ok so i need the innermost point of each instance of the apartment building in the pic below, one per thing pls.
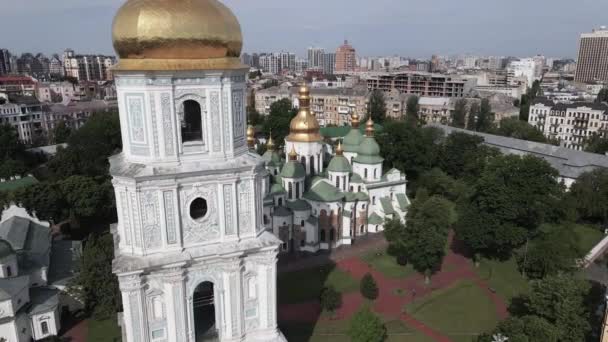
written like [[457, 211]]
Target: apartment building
[[593, 56], [569, 123], [421, 84], [88, 67], [346, 58], [331, 106], [17, 85]]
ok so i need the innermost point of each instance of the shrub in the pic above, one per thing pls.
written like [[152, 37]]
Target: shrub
[[369, 289], [331, 299]]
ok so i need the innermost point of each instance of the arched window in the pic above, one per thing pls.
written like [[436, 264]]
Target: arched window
[[298, 190], [365, 173], [312, 165], [276, 172], [192, 127], [290, 186], [375, 173], [265, 219], [9, 272], [337, 182], [302, 243], [322, 236], [332, 235], [362, 228], [302, 223], [280, 201], [303, 160]]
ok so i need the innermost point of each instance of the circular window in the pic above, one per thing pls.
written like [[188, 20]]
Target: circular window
[[198, 209]]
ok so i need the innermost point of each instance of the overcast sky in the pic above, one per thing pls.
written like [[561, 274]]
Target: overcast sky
[[416, 28]]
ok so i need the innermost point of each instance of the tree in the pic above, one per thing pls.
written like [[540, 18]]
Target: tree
[[277, 122], [43, 200], [84, 196], [602, 96], [485, 118], [408, 148], [365, 326], [527, 99], [368, 287], [515, 128], [463, 156], [473, 114], [560, 300], [10, 145], [589, 195], [331, 299], [511, 198], [555, 250], [437, 182], [524, 329], [376, 108], [96, 283], [596, 144], [61, 132], [12, 167], [412, 110], [254, 117], [459, 113]]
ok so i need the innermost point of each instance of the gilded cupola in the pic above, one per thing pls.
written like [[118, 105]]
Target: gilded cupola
[[176, 35], [304, 126]]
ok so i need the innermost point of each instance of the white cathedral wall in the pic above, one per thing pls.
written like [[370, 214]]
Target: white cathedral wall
[[52, 320], [374, 171], [307, 149], [150, 107]]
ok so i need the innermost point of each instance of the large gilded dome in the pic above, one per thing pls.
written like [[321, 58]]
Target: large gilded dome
[[304, 127], [176, 30]]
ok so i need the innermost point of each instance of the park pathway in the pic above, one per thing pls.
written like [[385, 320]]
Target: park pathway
[[389, 303]]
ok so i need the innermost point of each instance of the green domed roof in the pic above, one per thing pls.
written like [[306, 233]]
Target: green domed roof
[[339, 164], [5, 249], [272, 158], [293, 169], [369, 152], [352, 140]]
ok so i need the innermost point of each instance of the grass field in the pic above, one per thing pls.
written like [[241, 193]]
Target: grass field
[[588, 236], [337, 331], [503, 277], [459, 312], [387, 265], [103, 331], [306, 285]]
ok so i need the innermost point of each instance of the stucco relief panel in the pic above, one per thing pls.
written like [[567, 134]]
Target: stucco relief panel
[[206, 228]]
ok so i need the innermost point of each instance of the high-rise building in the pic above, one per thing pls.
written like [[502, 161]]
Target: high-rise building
[[5, 62], [193, 256], [270, 63], [87, 67], [288, 61], [315, 57], [593, 56], [329, 63], [346, 58], [246, 59], [301, 66]]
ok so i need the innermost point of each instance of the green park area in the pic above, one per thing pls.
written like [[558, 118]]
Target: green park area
[[306, 285], [386, 264], [103, 331]]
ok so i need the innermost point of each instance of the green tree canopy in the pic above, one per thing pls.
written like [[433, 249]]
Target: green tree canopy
[[412, 110], [596, 144], [602, 96], [485, 118], [365, 326], [515, 128], [437, 182], [376, 108], [44, 201], [61, 133], [368, 287], [459, 114], [463, 156], [589, 195], [472, 118], [277, 122], [512, 197], [524, 329], [331, 300], [10, 145]]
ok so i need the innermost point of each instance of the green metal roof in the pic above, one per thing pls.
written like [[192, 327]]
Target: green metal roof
[[355, 178], [324, 192], [342, 131], [355, 196], [387, 205], [276, 189], [17, 183], [281, 212], [369, 147], [293, 169], [403, 202], [298, 205], [272, 158], [370, 160], [352, 140], [375, 219], [339, 164]]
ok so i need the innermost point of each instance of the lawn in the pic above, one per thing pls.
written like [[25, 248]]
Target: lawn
[[306, 285], [103, 331], [337, 331], [17, 183], [503, 277], [387, 265], [459, 311], [588, 236]]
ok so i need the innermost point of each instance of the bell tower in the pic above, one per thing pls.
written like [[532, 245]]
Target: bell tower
[[192, 257]]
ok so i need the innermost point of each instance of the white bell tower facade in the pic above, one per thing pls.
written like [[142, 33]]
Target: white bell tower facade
[[193, 260]]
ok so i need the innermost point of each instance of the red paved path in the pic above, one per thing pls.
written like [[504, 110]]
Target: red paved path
[[78, 333], [454, 268]]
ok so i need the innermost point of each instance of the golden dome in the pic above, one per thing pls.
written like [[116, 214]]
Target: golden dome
[[176, 35], [369, 128], [293, 156], [270, 144], [339, 149], [354, 118], [304, 126], [250, 136]]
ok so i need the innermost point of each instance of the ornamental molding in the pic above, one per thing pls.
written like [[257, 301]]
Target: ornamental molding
[[207, 228]]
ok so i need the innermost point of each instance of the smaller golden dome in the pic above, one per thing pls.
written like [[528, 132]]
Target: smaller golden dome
[[250, 136], [304, 127], [293, 156], [270, 144], [369, 128], [339, 149], [354, 118]]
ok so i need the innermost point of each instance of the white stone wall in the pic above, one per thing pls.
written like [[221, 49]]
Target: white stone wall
[[6, 263], [306, 151], [52, 320], [368, 172]]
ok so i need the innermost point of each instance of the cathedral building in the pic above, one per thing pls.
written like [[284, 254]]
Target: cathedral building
[[317, 198], [193, 256]]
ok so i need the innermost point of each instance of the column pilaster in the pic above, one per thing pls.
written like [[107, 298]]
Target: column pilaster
[[131, 288], [175, 297]]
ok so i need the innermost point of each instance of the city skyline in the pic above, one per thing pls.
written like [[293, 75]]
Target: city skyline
[[545, 28]]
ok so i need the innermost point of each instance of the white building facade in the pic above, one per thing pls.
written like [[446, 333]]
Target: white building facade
[[193, 258]]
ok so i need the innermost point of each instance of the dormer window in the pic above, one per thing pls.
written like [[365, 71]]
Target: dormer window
[[192, 126]]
